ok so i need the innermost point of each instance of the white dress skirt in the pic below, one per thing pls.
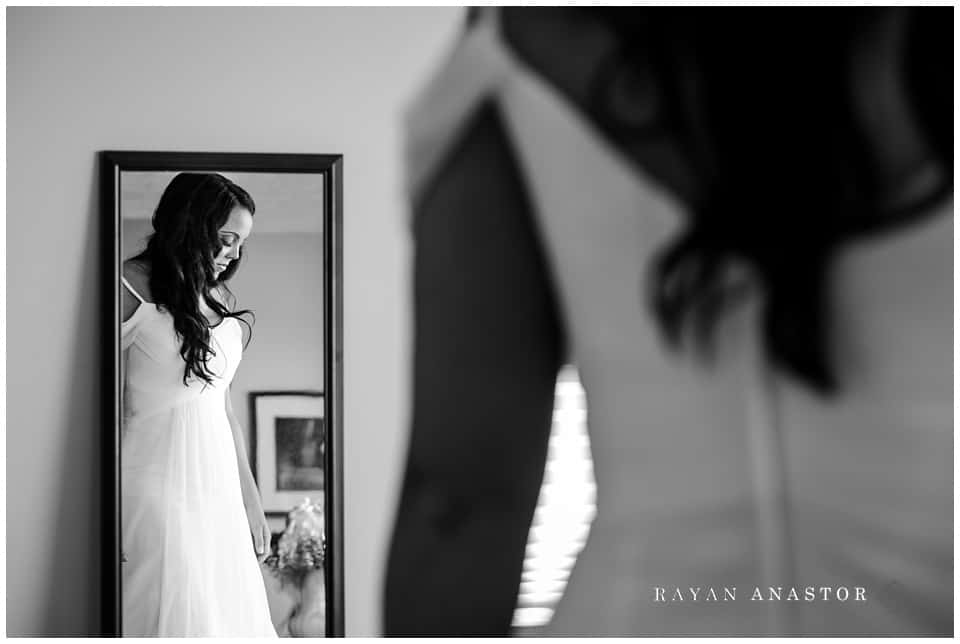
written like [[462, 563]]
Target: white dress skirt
[[189, 566]]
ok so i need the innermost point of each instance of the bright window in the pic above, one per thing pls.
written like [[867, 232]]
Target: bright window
[[565, 508]]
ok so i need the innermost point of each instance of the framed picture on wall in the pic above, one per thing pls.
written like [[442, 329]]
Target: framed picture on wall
[[288, 437]]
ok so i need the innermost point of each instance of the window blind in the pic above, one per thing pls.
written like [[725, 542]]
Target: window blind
[[565, 508]]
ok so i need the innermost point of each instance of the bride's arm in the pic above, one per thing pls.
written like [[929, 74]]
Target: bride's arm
[[128, 306], [259, 529], [488, 343]]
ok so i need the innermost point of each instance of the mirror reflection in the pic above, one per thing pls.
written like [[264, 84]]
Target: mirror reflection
[[224, 433]]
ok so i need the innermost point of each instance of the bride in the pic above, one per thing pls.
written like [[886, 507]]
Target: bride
[[192, 522]]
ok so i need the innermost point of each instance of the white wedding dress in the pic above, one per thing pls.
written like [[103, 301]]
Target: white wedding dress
[[730, 475], [189, 566]]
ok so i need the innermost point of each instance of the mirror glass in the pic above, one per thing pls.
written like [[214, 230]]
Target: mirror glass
[[206, 463]]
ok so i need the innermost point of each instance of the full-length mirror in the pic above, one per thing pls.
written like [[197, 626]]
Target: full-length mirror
[[226, 504]]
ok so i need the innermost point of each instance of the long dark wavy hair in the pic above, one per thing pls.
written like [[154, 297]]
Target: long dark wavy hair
[[757, 105], [180, 256]]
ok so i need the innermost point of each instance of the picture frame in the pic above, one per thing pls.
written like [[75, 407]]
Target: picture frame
[[287, 443]]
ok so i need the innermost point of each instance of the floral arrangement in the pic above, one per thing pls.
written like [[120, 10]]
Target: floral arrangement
[[302, 546]]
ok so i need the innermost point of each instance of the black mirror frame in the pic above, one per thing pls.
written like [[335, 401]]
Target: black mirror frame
[[330, 166]]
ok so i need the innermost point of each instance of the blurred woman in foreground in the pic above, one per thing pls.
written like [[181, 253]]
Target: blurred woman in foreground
[[737, 223]]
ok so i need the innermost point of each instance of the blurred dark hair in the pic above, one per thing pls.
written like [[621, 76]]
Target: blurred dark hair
[[756, 105], [180, 255]]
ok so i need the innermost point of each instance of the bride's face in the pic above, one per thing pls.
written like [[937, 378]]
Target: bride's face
[[233, 234]]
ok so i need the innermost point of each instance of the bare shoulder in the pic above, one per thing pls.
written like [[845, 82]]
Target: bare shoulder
[[138, 276]]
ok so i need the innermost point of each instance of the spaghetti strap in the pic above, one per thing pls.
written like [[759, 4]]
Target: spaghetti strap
[[131, 289]]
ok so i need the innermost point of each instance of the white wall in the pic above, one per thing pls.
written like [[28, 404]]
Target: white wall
[[213, 79], [278, 281]]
